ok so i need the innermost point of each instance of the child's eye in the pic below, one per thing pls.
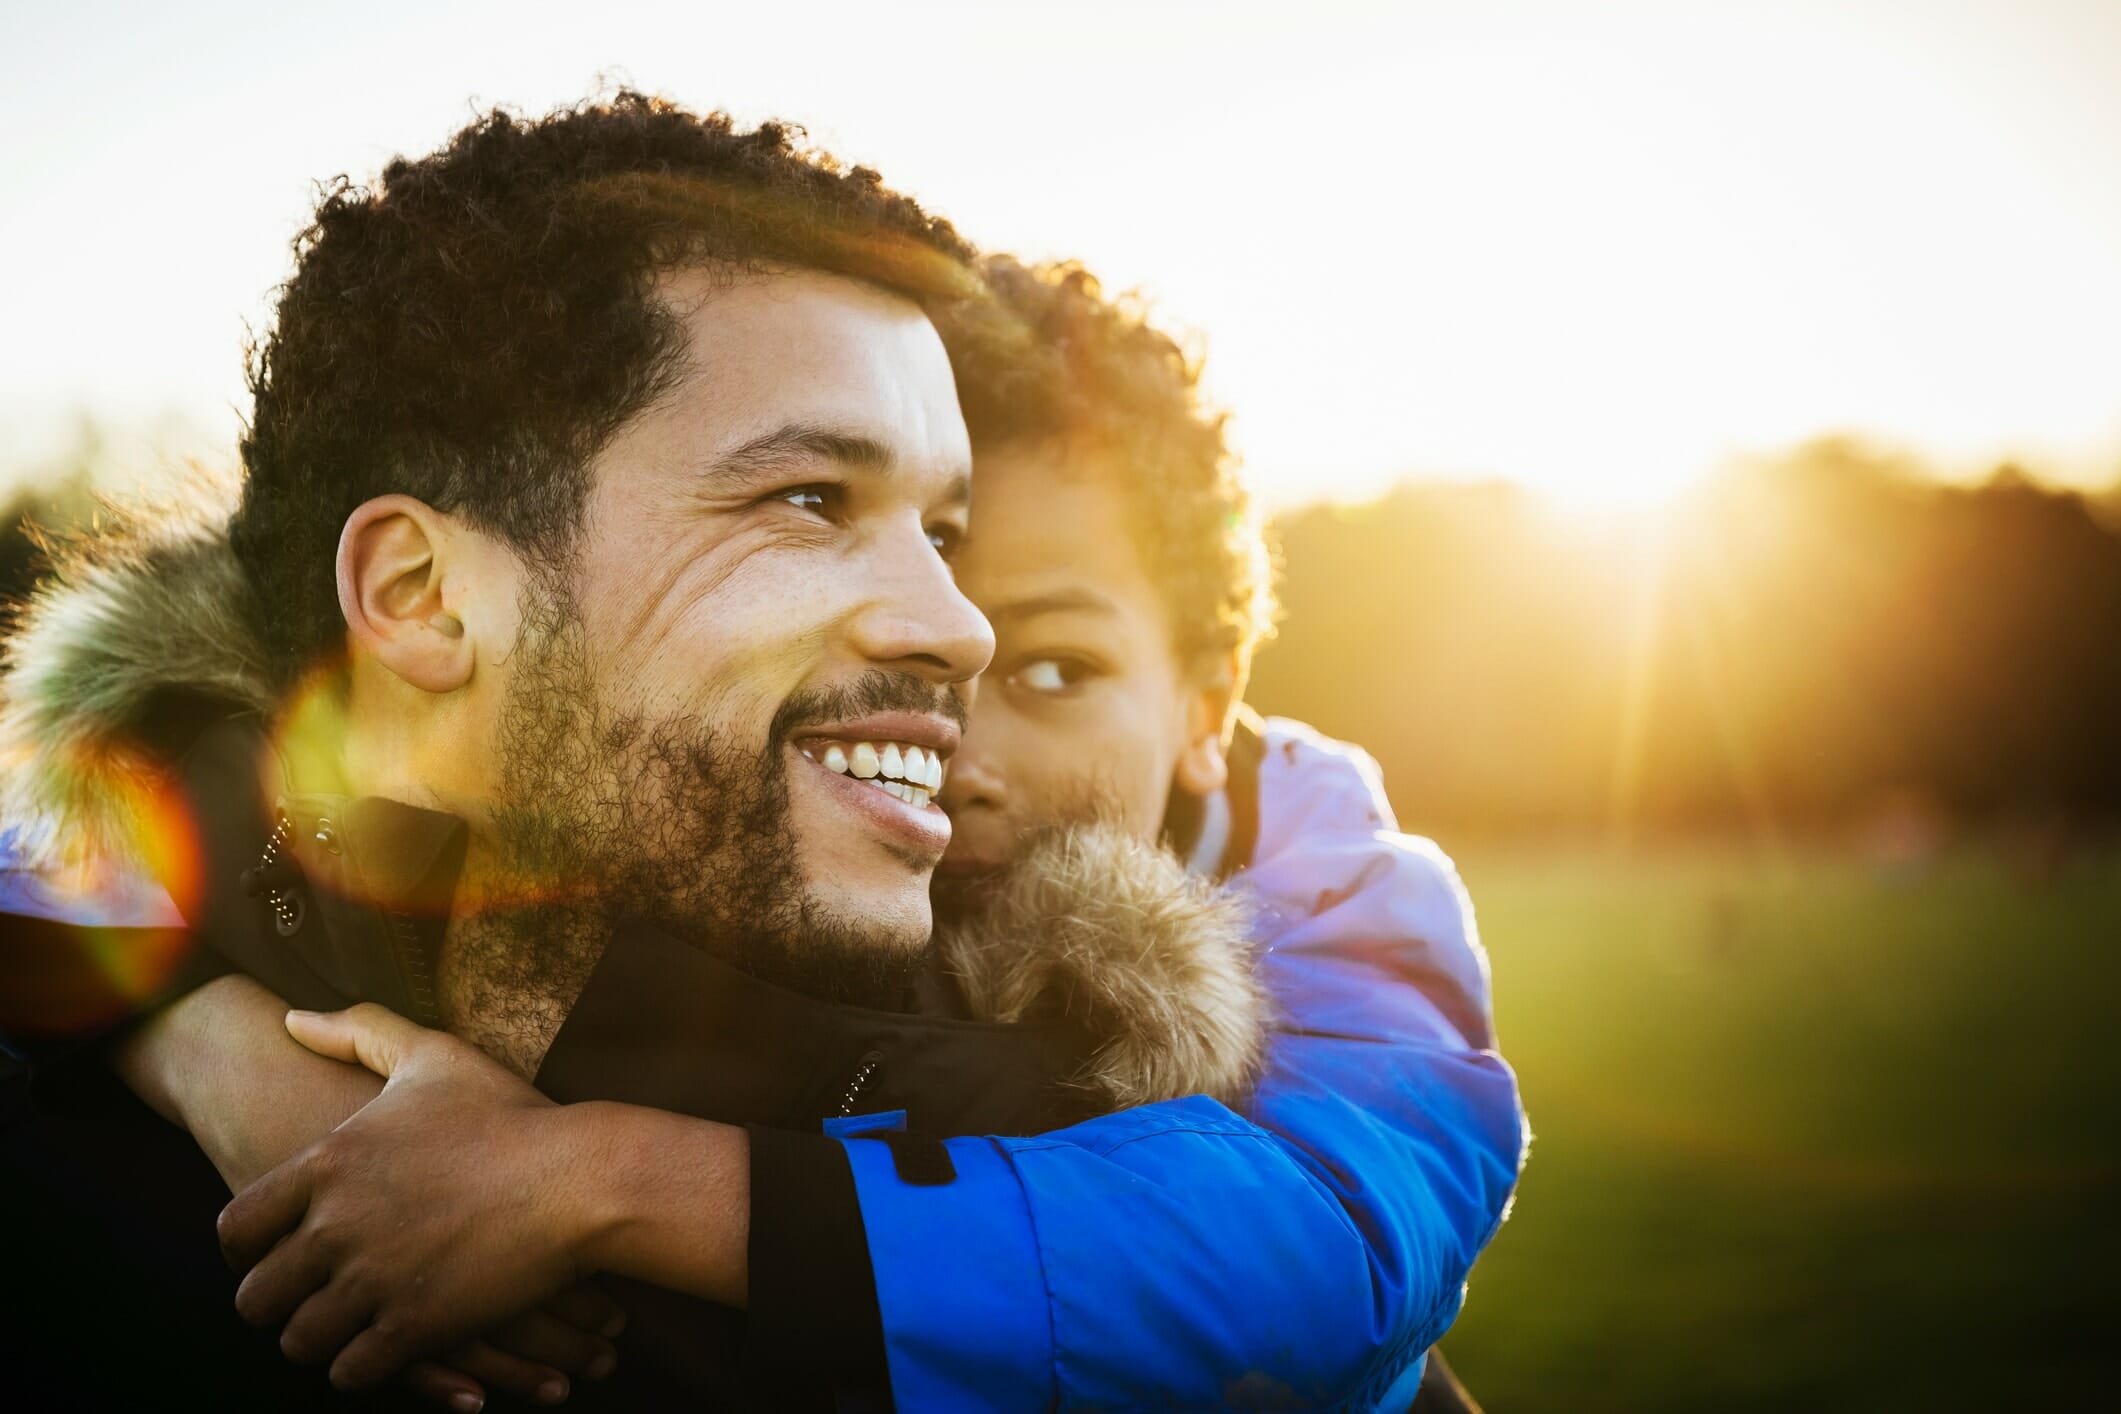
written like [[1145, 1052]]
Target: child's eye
[[1051, 675], [945, 539]]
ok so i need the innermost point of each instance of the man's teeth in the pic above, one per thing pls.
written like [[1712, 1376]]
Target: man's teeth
[[898, 769]]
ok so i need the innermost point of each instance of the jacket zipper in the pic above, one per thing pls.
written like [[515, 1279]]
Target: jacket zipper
[[412, 966], [274, 878], [863, 1074]]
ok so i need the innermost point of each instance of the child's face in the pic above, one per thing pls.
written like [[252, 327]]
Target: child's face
[[1086, 708]]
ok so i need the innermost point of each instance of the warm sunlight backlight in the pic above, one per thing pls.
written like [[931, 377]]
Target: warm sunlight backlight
[[1595, 249]]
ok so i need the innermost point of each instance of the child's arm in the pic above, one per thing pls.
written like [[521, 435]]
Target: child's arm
[[219, 1064]]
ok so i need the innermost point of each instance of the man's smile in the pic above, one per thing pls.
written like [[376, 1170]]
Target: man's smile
[[901, 769], [887, 766]]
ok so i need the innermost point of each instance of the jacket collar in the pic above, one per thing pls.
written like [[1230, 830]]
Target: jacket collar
[[663, 1023]]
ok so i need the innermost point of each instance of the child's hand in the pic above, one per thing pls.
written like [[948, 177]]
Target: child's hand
[[533, 1357], [448, 1207]]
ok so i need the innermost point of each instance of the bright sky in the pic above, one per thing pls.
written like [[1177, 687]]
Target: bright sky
[[1591, 247]]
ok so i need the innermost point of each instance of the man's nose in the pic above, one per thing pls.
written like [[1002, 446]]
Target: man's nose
[[918, 621]]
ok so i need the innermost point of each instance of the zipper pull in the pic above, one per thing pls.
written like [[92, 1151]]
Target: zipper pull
[[863, 1074]]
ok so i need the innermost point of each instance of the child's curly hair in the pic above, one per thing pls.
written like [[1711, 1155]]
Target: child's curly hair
[[1088, 372]]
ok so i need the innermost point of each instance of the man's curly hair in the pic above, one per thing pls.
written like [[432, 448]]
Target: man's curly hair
[[472, 330], [1085, 373]]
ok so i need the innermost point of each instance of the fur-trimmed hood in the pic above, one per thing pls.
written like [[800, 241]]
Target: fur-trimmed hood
[[151, 608], [146, 606]]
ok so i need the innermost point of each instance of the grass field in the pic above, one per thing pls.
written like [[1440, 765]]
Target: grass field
[[1809, 1135]]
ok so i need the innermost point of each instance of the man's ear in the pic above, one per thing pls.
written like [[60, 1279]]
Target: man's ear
[[393, 570], [1203, 766]]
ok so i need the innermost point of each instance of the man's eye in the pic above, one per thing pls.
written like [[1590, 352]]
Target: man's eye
[[819, 500], [1051, 675]]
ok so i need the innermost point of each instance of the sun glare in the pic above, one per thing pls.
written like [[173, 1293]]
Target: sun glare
[[1593, 253]]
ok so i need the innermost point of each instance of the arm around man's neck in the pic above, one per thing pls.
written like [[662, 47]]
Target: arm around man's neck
[[218, 1063], [671, 1200]]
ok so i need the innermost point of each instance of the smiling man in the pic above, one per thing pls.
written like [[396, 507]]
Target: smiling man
[[756, 590]]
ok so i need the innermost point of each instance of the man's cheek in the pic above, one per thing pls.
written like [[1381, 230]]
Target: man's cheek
[[742, 610], [734, 679], [760, 656]]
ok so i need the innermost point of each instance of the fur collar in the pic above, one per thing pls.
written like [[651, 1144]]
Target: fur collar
[[151, 606], [1112, 933]]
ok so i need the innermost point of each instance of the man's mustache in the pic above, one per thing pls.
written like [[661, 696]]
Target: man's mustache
[[877, 690]]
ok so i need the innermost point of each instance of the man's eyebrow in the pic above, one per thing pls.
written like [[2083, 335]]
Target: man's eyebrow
[[1060, 601], [801, 443]]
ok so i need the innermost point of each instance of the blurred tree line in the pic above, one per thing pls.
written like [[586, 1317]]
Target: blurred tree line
[[1831, 641]]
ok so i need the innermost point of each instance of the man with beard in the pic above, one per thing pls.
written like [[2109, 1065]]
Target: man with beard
[[578, 763]]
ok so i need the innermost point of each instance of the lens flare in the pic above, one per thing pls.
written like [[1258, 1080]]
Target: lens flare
[[108, 929]]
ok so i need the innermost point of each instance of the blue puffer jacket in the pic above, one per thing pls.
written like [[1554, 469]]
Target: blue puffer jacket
[[1303, 1255]]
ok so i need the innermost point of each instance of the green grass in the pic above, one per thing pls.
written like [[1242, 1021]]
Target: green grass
[[1809, 1135]]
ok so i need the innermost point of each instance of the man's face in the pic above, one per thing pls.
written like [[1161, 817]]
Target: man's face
[[759, 601], [1087, 709]]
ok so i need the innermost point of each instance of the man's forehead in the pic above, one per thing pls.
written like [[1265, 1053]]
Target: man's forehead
[[787, 364]]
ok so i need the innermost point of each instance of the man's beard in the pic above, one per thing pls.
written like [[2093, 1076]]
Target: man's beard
[[603, 815]]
